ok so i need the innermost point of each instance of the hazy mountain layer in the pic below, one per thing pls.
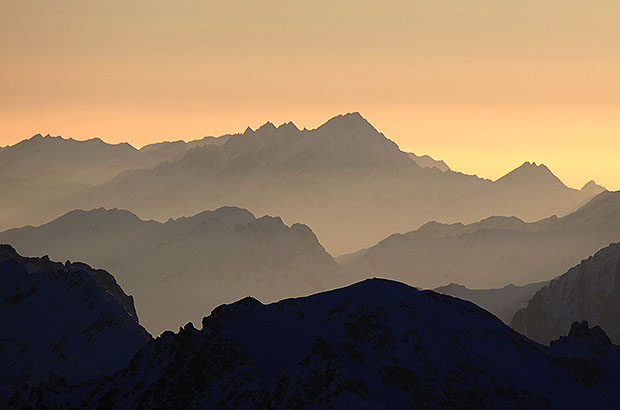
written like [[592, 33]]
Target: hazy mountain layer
[[181, 269], [494, 252], [350, 183], [503, 302], [589, 291], [374, 345], [38, 174], [426, 161], [60, 321]]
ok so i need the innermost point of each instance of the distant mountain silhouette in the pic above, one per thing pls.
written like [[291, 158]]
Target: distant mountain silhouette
[[38, 174], [373, 345], [494, 252], [61, 322], [425, 161], [530, 174], [589, 291], [503, 302], [181, 269], [346, 180]]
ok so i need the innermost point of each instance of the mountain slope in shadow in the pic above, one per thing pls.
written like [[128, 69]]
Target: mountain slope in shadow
[[61, 322], [377, 344]]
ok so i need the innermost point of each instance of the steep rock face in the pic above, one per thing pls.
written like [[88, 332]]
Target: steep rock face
[[376, 344], [181, 269], [589, 291], [494, 252], [61, 322]]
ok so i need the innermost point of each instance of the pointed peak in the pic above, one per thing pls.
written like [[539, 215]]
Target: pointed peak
[[349, 120], [531, 172], [268, 126], [592, 187], [288, 126], [248, 131]]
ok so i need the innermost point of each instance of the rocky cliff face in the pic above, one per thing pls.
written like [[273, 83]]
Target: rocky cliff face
[[589, 291]]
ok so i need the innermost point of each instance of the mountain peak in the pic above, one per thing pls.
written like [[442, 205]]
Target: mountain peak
[[353, 120], [591, 187], [268, 126], [582, 330], [288, 126], [529, 173]]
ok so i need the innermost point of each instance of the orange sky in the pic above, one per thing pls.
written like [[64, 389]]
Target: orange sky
[[482, 84]]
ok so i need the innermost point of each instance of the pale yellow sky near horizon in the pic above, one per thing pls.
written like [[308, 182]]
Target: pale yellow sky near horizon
[[484, 85]]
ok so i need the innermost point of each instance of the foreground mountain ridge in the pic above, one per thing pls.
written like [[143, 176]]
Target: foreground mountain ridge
[[61, 322], [376, 344]]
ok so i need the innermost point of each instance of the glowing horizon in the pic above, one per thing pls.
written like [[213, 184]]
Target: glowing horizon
[[481, 85]]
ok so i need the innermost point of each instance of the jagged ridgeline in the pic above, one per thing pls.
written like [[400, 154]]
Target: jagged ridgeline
[[345, 179], [376, 344]]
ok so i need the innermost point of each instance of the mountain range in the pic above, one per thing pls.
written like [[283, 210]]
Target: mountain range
[[376, 344], [181, 269], [494, 252], [345, 179]]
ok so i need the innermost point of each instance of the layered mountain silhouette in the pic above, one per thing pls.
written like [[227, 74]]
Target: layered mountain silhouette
[[345, 179], [426, 161], [494, 252], [376, 344], [61, 323], [44, 170], [503, 302], [589, 291], [181, 269]]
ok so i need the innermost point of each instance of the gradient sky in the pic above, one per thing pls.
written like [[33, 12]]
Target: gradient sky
[[483, 84]]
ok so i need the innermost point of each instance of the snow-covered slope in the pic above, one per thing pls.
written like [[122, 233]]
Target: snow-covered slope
[[589, 291], [60, 321], [503, 302], [373, 345], [181, 269], [494, 252]]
